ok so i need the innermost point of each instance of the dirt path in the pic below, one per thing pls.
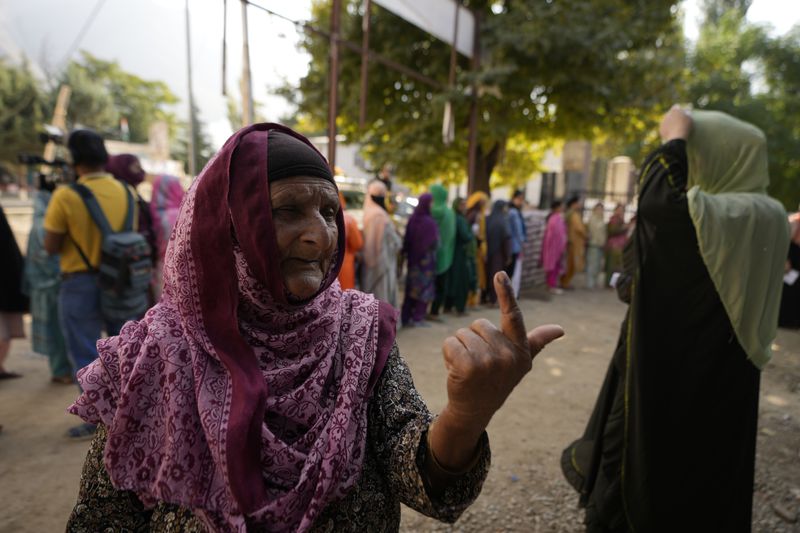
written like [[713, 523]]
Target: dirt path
[[39, 468]]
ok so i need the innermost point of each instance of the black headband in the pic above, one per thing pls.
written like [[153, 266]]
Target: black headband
[[288, 157]]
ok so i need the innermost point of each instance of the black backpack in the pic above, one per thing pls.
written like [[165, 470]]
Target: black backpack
[[125, 264]]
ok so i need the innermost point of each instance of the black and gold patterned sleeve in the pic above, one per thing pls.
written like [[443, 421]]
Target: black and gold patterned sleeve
[[398, 426], [662, 189], [100, 506]]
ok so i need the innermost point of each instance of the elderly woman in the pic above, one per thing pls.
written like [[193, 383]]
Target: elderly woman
[[671, 443], [381, 248], [258, 396]]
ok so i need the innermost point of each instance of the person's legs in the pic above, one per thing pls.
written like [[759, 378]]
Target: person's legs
[[81, 320], [441, 283], [418, 311], [82, 325], [566, 279], [460, 302], [10, 328], [593, 257], [516, 277], [409, 304], [61, 369], [5, 346], [511, 265], [552, 279]]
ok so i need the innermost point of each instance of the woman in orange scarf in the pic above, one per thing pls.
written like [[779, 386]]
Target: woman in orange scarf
[[353, 244]]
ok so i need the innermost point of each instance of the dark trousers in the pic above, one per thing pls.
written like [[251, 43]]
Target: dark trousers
[[81, 319], [510, 267], [441, 284]]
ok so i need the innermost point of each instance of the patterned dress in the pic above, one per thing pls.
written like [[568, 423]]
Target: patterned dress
[[393, 473]]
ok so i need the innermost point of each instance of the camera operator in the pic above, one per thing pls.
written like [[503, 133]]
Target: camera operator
[[71, 231]]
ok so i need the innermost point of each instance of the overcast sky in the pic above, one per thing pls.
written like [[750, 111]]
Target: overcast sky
[[147, 38]]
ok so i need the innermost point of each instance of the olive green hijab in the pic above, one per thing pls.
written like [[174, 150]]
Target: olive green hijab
[[446, 220], [743, 234]]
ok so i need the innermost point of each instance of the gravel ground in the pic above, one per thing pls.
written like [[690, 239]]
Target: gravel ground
[[525, 491]]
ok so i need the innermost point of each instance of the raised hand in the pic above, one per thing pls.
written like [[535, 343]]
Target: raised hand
[[484, 364], [676, 124]]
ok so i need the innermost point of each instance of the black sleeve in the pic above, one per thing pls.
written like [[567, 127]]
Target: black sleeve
[[398, 427], [662, 185]]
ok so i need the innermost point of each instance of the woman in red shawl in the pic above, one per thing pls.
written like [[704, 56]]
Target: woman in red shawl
[[354, 241], [258, 396]]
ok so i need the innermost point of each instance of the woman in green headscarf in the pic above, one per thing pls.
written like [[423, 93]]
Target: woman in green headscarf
[[461, 278], [446, 220], [670, 445]]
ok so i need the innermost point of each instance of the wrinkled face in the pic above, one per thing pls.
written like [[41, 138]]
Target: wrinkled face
[[304, 214]]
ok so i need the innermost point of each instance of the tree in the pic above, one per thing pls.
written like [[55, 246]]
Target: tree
[[714, 10], [103, 93], [203, 149], [738, 68], [549, 70], [21, 112], [235, 113]]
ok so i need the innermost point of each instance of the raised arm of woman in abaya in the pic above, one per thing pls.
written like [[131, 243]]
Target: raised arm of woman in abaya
[[484, 364], [665, 174]]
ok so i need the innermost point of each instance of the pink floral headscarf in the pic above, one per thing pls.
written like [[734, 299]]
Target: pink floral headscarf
[[226, 399], [165, 204]]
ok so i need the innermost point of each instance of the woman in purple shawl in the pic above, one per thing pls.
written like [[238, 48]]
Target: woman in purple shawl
[[419, 248], [554, 244], [128, 169], [258, 396]]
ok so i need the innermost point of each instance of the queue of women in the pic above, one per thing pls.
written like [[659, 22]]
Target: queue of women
[[259, 395]]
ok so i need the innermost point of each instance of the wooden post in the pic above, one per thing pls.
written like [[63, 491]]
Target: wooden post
[[333, 80], [362, 109], [59, 119], [247, 85], [472, 164]]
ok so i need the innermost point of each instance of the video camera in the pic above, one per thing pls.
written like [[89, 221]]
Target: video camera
[[60, 170]]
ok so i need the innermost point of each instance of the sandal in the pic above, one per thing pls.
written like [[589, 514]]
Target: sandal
[[82, 432], [62, 380], [9, 375]]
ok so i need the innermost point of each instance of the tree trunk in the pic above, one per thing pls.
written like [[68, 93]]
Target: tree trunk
[[485, 166]]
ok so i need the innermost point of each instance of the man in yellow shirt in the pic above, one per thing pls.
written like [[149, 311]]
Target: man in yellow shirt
[[71, 232]]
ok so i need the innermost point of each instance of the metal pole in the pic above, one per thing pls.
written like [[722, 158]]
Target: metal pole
[[354, 47], [448, 121], [224, 47], [472, 165], [333, 76], [451, 79], [247, 86], [362, 111], [192, 156]]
